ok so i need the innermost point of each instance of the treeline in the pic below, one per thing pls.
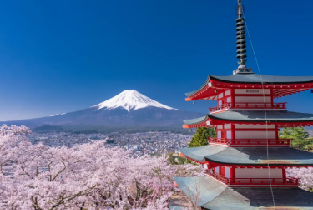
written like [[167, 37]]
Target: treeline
[[79, 129], [300, 138], [47, 129]]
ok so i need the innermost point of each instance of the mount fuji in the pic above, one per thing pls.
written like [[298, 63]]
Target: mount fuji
[[130, 100], [129, 108]]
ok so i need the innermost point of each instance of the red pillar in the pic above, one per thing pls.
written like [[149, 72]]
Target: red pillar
[[276, 132], [222, 170], [232, 97], [232, 173], [232, 126], [284, 174], [272, 97]]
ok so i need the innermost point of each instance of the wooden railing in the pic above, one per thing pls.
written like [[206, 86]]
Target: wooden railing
[[221, 107], [265, 181], [250, 142], [288, 181], [250, 105], [218, 177]]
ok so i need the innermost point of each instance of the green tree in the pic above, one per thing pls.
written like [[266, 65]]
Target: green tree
[[299, 137], [201, 137], [177, 160]]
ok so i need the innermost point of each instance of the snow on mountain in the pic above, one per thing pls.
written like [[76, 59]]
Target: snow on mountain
[[130, 100], [57, 114]]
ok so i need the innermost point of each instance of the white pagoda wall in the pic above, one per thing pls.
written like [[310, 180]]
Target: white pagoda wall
[[247, 131], [227, 172], [255, 134], [255, 126], [253, 99], [253, 96], [258, 173], [252, 91], [243, 96]]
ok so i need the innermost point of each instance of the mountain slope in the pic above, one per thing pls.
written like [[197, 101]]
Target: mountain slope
[[129, 108]]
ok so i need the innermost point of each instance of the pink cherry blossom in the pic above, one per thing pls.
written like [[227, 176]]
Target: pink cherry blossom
[[90, 175], [305, 175]]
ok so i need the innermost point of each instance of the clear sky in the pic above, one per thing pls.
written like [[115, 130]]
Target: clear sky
[[60, 56]]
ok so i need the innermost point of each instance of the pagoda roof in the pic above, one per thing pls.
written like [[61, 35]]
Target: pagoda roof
[[270, 116], [217, 196], [250, 156], [256, 79]]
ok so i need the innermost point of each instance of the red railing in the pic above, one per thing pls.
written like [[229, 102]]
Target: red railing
[[250, 105], [220, 107], [255, 105], [255, 181], [250, 142], [218, 177], [265, 181]]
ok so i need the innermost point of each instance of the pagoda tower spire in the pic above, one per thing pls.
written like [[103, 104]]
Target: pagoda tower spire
[[241, 40]]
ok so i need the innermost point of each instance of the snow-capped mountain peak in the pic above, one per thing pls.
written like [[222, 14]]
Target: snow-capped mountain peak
[[131, 100]]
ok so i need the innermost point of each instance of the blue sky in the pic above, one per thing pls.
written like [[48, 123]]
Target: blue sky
[[60, 56]]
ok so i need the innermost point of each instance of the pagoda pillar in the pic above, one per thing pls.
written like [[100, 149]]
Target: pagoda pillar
[[232, 98], [232, 174], [276, 133], [272, 97], [232, 126], [284, 174]]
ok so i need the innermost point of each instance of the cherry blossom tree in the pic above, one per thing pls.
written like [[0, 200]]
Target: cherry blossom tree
[[88, 176], [305, 175]]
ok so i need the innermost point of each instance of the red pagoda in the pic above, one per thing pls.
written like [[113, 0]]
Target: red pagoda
[[246, 163]]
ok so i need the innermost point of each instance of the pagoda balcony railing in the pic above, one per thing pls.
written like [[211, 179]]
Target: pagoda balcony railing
[[250, 142], [250, 105], [288, 181], [264, 181], [218, 177]]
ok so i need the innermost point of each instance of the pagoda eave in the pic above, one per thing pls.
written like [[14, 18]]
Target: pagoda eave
[[264, 163], [252, 117], [213, 87], [270, 164], [249, 156], [212, 123], [217, 196]]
